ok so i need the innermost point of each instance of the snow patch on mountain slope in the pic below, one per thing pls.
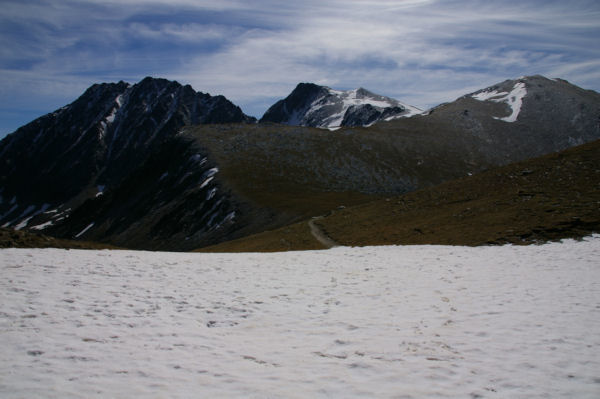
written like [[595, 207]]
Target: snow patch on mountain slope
[[211, 193], [343, 100], [42, 226], [118, 104], [489, 95], [208, 176], [406, 321], [111, 117], [82, 232], [57, 217], [206, 181], [23, 223], [100, 188], [514, 99]]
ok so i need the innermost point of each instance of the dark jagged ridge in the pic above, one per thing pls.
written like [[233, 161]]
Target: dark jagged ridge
[[97, 143]]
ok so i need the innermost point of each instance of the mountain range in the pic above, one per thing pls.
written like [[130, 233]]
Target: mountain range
[[157, 165]]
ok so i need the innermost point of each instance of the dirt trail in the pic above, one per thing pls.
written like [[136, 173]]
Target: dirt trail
[[320, 235]]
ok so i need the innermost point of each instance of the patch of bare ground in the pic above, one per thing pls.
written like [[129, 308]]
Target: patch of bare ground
[[319, 234]]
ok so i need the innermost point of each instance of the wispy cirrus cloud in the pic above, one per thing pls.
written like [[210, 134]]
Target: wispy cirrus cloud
[[422, 52]]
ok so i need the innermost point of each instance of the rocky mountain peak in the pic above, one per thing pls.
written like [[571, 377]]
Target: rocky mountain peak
[[320, 106], [93, 144]]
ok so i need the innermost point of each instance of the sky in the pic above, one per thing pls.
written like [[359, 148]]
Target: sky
[[421, 52]]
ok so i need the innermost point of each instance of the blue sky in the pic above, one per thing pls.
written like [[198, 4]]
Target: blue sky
[[422, 52]]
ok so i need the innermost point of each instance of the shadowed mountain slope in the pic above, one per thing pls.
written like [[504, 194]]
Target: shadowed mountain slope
[[51, 166]]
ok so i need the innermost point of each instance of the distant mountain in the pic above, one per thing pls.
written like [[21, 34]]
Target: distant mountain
[[483, 129], [320, 106], [522, 118], [50, 166], [307, 172], [158, 166]]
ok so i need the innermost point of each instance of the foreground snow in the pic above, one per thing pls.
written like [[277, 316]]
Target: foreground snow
[[415, 321]]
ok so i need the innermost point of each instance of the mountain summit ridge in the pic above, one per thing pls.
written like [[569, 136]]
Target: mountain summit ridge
[[321, 106]]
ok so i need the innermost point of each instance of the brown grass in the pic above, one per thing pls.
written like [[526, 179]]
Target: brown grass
[[10, 238], [549, 198], [295, 237]]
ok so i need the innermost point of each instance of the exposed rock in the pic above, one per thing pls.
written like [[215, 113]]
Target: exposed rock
[[320, 106]]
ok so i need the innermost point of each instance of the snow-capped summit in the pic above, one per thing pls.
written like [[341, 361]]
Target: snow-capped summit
[[545, 104], [320, 106]]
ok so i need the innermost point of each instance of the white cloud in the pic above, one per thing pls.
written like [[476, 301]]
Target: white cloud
[[422, 52], [189, 32], [220, 5], [432, 51]]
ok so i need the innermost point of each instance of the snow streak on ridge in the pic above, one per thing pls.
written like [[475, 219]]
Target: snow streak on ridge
[[514, 99]]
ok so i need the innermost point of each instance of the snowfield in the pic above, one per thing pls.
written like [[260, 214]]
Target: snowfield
[[514, 99], [385, 322]]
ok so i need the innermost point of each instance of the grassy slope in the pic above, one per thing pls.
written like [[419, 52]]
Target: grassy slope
[[285, 174], [552, 197], [295, 237], [10, 238]]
